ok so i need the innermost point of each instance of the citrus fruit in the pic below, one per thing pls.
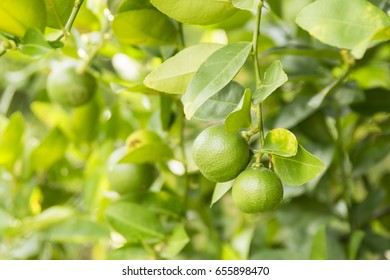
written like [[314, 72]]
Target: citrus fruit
[[257, 190], [220, 156], [68, 87], [128, 177]]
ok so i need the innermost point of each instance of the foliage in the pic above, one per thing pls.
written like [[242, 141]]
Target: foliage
[[305, 82]]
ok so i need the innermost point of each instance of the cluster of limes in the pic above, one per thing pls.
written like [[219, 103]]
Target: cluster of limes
[[223, 156]]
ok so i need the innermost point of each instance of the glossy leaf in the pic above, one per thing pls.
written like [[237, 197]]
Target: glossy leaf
[[280, 142], [328, 21], [176, 242], [220, 190], [77, 231], [274, 77], [241, 116], [214, 74], [51, 149], [299, 169], [17, 16], [133, 221], [174, 75], [146, 146], [222, 103], [134, 27], [11, 139], [202, 12], [58, 12]]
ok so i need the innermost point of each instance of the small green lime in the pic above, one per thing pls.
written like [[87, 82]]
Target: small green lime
[[257, 190], [68, 87], [128, 177], [220, 156]]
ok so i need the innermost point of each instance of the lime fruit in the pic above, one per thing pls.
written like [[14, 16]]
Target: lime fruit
[[220, 156], [128, 177], [257, 190], [68, 87]]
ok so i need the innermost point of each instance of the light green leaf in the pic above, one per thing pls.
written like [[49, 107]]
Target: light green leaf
[[176, 242], [58, 12], [241, 117], [202, 12], [133, 221], [215, 73], [319, 245], [51, 149], [11, 139], [130, 252], [274, 77], [354, 244], [146, 146], [343, 23], [220, 190], [174, 75], [77, 231], [34, 43], [222, 103], [17, 16], [299, 169], [280, 142], [134, 27], [249, 5]]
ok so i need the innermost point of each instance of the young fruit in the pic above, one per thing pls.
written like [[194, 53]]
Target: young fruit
[[68, 87], [128, 177], [220, 156], [257, 190]]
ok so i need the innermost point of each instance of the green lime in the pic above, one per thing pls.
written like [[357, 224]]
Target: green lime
[[220, 156], [68, 87], [257, 190], [128, 177]]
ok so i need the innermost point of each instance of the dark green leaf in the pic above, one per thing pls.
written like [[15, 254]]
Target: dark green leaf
[[215, 73]]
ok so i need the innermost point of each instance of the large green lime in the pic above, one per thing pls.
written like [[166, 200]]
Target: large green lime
[[220, 156]]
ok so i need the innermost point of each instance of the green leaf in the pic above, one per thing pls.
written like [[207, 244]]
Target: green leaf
[[17, 16], [11, 139], [280, 142], [299, 169], [222, 103], [201, 12], [176, 242], [51, 149], [215, 73], [133, 221], [241, 116], [34, 43], [130, 252], [134, 27], [174, 75], [58, 12], [249, 5], [146, 146], [354, 244], [328, 21], [375, 100], [220, 190], [319, 245], [274, 77], [77, 231]]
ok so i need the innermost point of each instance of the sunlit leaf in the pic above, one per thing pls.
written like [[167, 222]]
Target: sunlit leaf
[[274, 77], [34, 43], [174, 75], [200, 12], [58, 12], [220, 190], [249, 5], [299, 169], [176, 242], [215, 73], [241, 116], [280, 142], [11, 139], [134, 27]]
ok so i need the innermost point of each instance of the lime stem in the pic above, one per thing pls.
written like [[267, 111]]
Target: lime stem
[[71, 19], [255, 42]]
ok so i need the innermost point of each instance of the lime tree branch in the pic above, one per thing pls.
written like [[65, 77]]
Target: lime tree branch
[[71, 19], [256, 35]]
